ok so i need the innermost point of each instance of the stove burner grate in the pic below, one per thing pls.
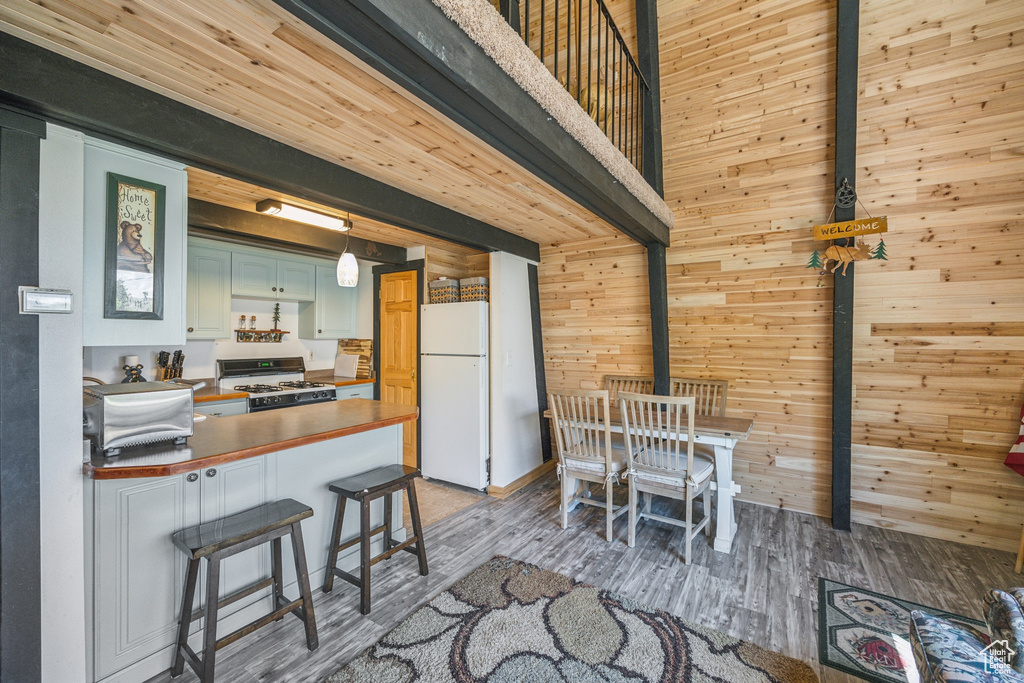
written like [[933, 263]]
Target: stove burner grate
[[258, 388], [301, 384]]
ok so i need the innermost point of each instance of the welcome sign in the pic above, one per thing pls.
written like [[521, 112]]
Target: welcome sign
[[863, 226]]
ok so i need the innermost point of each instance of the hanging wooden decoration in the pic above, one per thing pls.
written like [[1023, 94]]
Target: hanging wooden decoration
[[844, 255]]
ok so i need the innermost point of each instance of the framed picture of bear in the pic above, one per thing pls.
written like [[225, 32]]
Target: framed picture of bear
[[134, 268]]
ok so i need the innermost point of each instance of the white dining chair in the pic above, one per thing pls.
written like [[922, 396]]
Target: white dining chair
[[587, 450], [638, 385], [709, 394], [664, 460]]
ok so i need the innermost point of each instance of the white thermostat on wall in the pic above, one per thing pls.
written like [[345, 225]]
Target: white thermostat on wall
[[39, 300]]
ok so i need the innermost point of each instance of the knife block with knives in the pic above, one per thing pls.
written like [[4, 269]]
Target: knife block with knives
[[169, 366]]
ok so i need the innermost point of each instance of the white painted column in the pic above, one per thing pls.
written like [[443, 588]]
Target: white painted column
[[61, 483], [515, 425]]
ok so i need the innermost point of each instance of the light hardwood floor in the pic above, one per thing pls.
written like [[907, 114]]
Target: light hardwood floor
[[765, 591]]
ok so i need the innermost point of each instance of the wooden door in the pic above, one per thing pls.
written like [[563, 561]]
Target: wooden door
[[399, 349]]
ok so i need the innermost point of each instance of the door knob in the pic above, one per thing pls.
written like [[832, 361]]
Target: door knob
[[413, 374], [212, 472], [281, 290], [319, 331], [274, 288], [191, 329], [192, 477]]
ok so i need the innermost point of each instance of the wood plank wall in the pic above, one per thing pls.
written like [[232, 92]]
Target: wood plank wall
[[595, 313], [454, 265], [747, 108], [939, 328]]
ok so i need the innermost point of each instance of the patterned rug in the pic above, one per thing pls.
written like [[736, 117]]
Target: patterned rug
[[509, 621], [867, 634]]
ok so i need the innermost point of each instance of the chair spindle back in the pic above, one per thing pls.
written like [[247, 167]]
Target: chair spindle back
[[582, 426], [654, 427], [637, 385], [709, 394]]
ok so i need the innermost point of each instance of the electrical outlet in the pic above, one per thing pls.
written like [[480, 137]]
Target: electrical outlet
[[311, 354]]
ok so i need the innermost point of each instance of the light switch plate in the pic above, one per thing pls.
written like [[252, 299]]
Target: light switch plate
[[40, 300]]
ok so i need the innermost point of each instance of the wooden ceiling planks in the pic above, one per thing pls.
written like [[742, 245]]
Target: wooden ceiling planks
[[251, 63], [238, 194]]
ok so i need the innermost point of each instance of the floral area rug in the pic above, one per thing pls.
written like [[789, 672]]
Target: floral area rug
[[867, 634], [511, 621]]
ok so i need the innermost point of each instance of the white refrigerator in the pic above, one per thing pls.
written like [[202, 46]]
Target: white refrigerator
[[455, 393]]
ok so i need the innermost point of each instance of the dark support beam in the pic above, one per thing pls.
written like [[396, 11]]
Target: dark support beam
[[20, 607], [58, 88], [421, 49], [538, 361], [657, 281], [648, 61], [847, 29], [510, 10], [215, 219]]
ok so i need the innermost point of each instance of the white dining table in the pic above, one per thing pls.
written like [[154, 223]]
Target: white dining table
[[722, 433]]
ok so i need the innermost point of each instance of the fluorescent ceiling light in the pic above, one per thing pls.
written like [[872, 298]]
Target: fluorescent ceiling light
[[296, 213]]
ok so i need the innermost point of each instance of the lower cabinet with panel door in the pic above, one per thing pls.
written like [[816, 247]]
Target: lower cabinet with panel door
[[137, 574]]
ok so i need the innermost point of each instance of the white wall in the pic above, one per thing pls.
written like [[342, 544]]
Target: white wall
[[104, 157], [515, 426], [61, 483]]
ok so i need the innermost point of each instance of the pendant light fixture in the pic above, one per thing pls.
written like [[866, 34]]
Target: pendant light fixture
[[348, 268]]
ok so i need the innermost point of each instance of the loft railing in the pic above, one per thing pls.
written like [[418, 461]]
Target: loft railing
[[580, 44]]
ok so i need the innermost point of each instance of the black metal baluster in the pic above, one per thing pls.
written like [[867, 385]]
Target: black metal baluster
[[557, 22], [606, 50], [568, 45], [579, 43], [590, 39], [543, 21]]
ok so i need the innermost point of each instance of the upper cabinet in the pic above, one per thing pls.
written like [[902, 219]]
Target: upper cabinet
[[208, 307], [333, 314], [267, 277], [296, 281], [135, 212]]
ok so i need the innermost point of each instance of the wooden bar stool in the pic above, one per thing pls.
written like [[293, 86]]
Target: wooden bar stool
[[364, 488], [223, 538]]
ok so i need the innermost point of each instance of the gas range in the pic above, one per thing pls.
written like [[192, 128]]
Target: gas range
[[272, 382]]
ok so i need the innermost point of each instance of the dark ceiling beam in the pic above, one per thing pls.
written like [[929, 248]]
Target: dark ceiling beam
[[215, 219], [418, 47], [69, 92]]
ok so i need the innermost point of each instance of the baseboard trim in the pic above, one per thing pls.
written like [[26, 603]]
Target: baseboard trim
[[533, 475]]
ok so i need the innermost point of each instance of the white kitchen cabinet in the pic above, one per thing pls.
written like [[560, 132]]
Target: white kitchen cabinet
[[296, 280], [262, 275], [208, 288], [138, 574], [234, 406], [333, 314], [355, 391], [101, 158]]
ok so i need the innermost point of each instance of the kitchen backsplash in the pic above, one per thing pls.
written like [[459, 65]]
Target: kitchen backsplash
[[104, 362]]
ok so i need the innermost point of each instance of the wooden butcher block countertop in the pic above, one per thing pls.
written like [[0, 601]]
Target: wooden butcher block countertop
[[219, 440]]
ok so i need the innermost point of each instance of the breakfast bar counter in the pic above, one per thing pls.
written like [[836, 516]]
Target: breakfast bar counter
[[220, 440], [136, 501]]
